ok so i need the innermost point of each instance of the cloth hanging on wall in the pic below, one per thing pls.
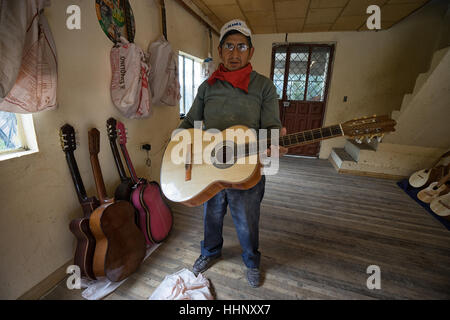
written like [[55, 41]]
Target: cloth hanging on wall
[[35, 84], [164, 81]]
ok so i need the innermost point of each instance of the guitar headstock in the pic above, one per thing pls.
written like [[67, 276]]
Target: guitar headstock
[[122, 133], [67, 137], [111, 124], [368, 127], [94, 141]]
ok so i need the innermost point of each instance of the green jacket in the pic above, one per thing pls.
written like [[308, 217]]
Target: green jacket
[[221, 106]]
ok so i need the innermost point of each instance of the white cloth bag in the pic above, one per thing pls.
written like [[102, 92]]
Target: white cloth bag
[[183, 285], [130, 90], [35, 84], [164, 82]]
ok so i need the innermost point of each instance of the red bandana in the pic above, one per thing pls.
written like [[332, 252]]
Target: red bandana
[[238, 79]]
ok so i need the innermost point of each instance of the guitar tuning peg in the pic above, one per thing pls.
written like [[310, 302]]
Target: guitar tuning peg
[[368, 139], [379, 138], [358, 140]]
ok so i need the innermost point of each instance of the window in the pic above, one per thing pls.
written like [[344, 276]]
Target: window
[[300, 71], [17, 136], [190, 73]]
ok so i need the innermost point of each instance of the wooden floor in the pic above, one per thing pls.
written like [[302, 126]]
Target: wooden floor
[[319, 231]]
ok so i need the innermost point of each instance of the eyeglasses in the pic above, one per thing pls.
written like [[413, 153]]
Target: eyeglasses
[[240, 46]]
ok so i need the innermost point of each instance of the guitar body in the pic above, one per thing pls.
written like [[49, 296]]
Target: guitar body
[[432, 191], [154, 216], [120, 246], [441, 206], [423, 178], [84, 252], [207, 178]]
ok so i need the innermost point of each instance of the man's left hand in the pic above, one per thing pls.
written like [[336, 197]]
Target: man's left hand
[[281, 150]]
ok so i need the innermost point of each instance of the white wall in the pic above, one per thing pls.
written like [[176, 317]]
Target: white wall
[[37, 196]]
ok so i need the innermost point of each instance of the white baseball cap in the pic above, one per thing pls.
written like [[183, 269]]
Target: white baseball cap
[[237, 25]]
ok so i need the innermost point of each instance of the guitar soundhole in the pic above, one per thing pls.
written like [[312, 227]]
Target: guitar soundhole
[[223, 156]]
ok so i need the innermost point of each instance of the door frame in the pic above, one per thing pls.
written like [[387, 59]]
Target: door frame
[[289, 45]]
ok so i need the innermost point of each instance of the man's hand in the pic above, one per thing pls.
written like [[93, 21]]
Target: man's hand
[[281, 150]]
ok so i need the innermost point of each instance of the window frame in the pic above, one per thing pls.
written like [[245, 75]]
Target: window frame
[[27, 136], [194, 59]]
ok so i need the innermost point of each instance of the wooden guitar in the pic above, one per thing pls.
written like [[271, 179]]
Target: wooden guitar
[[154, 215], [193, 172], [124, 189], [424, 177], [120, 246], [84, 252], [435, 189], [441, 206]]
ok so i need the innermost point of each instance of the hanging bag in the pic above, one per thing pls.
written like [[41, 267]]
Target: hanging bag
[[129, 83], [164, 82], [34, 89]]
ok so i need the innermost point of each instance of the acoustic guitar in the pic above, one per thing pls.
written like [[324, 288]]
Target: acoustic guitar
[[154, 215], [441, 206], [192, 172], [120, 246], [424, 177], [435, 189], [84, 252], [124, 189]]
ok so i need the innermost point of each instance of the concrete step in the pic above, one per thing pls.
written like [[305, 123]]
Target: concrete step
[[340, 157], [354, 149]]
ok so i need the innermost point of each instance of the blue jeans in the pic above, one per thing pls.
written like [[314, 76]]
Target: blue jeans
[[245, 210]]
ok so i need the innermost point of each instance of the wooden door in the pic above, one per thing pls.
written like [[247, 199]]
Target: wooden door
[[301, 74]]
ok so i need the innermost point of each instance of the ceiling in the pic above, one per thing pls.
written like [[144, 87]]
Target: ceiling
[[290, 16]]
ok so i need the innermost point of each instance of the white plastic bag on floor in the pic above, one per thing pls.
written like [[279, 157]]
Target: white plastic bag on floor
[[100, 288], [183, 285]]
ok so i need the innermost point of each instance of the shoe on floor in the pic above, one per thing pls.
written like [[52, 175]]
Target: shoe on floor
[[203, 263], [253, 277]]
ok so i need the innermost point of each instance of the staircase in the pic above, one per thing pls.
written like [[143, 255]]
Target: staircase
[[422, 131]]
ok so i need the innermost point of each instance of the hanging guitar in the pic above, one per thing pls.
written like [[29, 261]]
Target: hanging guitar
[[234, 163], [435, 189], [155, 217], [120, 246], [84, 252]]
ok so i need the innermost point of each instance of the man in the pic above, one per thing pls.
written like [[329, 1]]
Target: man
[[235, 95]]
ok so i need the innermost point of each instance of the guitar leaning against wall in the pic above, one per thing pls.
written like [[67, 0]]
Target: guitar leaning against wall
[[125, 188], [154, 215], [84, 252], [120, 246]]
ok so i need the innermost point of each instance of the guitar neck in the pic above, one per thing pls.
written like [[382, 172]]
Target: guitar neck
[[129, 163], [98, 177], [299, 138], [76, 177], [310, 136], [118, 161]]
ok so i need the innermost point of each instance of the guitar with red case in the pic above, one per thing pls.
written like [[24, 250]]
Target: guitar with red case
[[84, 252], [155, 217]]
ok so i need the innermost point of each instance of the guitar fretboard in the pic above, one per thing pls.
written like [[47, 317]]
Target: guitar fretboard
[[310, 136]]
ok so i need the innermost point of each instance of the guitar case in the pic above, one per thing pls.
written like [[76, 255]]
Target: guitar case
[[155, 217]]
